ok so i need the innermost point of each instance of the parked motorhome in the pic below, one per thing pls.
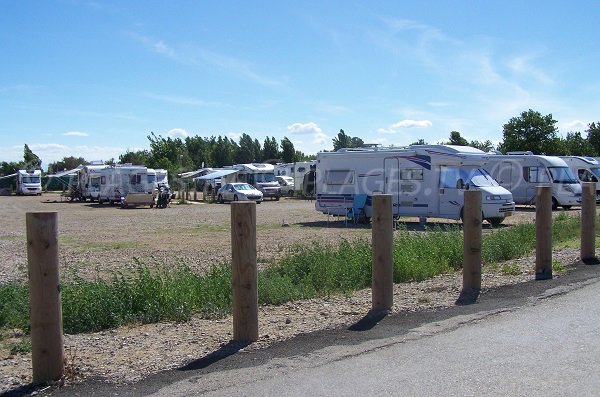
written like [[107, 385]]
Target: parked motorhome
[[286, 169], [259, 175], [301, 168], [28, 182], [587, 169], [127, 185], [424, 181], [89, 181], [523, 172]]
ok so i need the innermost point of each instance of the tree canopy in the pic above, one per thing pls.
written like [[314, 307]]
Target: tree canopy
[[531, 131], [345, 141]]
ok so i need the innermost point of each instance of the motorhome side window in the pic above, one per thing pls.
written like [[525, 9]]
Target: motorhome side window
[[340, 177], [449, 176], [586, 176], [535, 174], [135, 179], [411, 174]]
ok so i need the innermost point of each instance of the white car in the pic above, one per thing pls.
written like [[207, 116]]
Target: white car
[[287, 185], [239, 191]]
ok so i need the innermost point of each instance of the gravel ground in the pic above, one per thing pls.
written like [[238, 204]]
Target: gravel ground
[[99, 240]]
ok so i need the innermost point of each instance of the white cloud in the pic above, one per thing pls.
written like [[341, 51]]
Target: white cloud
[[75, 133], [177, 133], [304, 128], [411, 124], [235, 135], [573, 126], [320, 138]]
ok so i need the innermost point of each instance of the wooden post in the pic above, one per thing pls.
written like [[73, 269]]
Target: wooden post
[[244, 271], [383, 253], [47, 347], [543, 233], [472, 235], [588, 224], [195, 194]]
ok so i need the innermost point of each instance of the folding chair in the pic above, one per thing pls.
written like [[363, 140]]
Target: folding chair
[[358, 207]]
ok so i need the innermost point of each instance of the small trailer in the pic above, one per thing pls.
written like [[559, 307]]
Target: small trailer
[[424, 181], [126, 185]]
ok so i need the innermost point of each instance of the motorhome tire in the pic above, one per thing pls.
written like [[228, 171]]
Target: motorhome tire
[[291, 193], [220, 199], [495, 222], [235, 198], [276, 198], [554, 204], [567, 207]]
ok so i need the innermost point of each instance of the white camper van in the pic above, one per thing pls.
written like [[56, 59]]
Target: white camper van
[[523, 172], [259, 175], [29, 182], [127, 185], [424, 181], [587, 169], [286, 169], [89, 181]]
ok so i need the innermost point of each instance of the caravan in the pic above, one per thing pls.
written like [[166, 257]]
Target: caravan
[[127, 185], [259, 175], [587, 169], [523, 172], [301, 169], [424, 181], [89, 181]]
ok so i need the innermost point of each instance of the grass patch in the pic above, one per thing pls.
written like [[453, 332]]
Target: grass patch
[[166, 292], [22, 346], [112, 245]]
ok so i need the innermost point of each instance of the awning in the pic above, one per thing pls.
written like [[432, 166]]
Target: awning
[[72, 172], [216, 174], [8, 176]]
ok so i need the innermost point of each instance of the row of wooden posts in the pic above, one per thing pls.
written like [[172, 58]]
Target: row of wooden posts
[[44, 284]]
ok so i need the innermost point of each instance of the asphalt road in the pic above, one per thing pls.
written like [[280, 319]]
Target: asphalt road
[[535, 339]]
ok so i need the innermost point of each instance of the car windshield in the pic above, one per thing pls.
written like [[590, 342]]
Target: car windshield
[[596, 171], [31, 179], [562, 175], [243, 186]]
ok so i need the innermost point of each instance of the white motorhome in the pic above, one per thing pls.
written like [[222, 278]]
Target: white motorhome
[[286, 169], [29, 182], [89, 181], [301, 168], [424, 181], [126, 184], [587, 169], [259, 175], [523, 172]]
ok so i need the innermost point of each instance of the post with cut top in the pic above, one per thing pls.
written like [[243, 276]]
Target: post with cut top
[[588, 224], [543, 233], [383, 253], [472, 235], [244, 271], [45, 312]]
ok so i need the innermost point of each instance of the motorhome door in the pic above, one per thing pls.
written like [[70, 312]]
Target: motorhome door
[[451, 192]]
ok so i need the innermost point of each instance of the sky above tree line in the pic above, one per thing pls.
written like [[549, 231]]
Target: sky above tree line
[[95, 78]]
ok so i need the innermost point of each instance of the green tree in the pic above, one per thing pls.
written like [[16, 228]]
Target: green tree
[[575, 145], [245, 152], [222, 152], [198, 150], [31, 159], [530, 131], [456, 139], [342, 140], [420, 142], [67, 163], [140, 157], [486, 146], [593, 137], [270, 149], [288, 153]]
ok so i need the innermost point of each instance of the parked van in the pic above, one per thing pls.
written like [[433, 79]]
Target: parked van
[[29, 182], [523, 172], [286, 169], [587, 169], [259, 175], [424, 181], [127, 185]]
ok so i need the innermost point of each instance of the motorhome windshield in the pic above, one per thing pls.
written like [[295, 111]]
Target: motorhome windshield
[[562, 175], [31, 179], [262, 178], [481, 178], [151, 178]]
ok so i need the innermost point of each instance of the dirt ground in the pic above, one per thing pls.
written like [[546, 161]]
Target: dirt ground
[[99, 240]]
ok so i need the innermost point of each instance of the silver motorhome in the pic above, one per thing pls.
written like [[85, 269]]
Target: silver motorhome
[[587, 169], [424, 181], [523, 172]]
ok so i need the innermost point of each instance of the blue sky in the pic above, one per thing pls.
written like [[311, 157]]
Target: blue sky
[[94, 78]]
